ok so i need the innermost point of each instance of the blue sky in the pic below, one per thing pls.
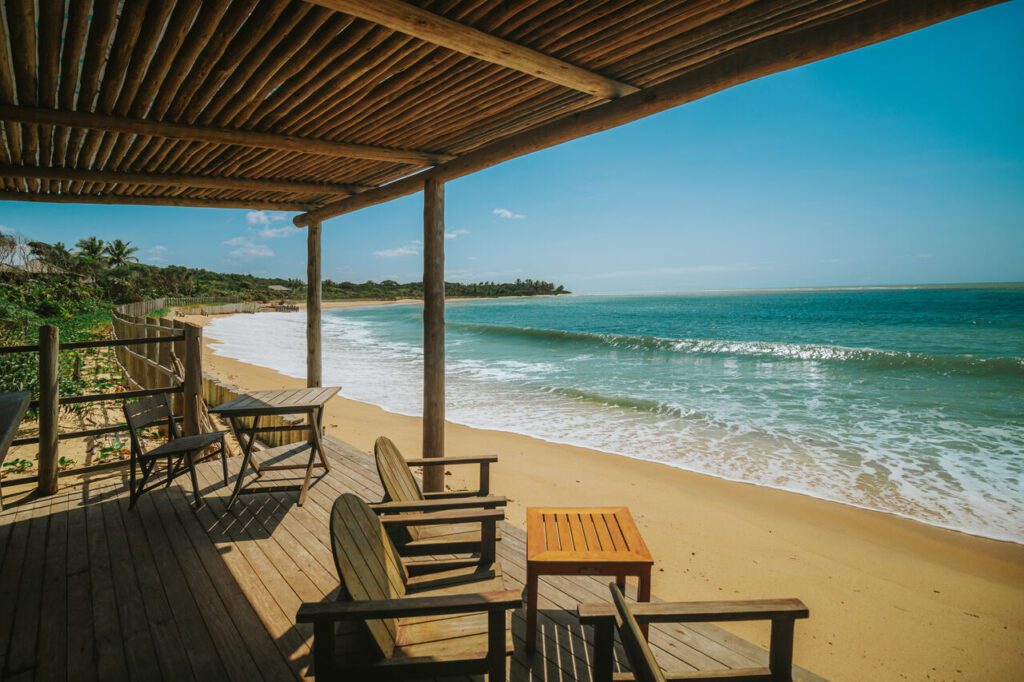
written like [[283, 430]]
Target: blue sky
[[899, 163]]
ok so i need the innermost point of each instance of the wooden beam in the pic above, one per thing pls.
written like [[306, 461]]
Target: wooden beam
[[242, 138], [314, 365], [880, 21], [114, 199], [433, 332], [177, 181], [420, 23]]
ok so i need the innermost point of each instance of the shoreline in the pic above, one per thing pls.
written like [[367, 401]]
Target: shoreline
[[889, 596]]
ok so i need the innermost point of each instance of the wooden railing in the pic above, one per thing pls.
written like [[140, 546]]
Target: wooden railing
[[156, 356], [187, 388]]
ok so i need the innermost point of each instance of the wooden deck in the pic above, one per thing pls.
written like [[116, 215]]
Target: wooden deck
[[92, 591]]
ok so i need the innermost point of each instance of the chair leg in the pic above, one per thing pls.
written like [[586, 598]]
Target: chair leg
[[496, 659], [132, 496], [224, 458], [195, 479]]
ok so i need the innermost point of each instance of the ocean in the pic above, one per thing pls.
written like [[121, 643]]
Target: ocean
[[907, 400]]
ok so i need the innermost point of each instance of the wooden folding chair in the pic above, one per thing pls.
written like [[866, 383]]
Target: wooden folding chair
[[181, 452]]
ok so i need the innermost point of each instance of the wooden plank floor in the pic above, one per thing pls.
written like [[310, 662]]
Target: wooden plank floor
[[92, 591]]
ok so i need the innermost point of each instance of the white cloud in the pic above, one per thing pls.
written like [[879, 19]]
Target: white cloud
[[264, 217], [275, 232], [156, 254], [7, 230], [507, 214], [410, 249], [247, 248], [455, 234]]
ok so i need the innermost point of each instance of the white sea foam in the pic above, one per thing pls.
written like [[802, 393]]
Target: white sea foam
[[969, 486]]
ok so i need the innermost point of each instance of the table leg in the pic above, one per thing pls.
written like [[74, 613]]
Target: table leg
[[319, 437], [620, 582], [531, 609], [246, 454], [313, 442], [643, 593]]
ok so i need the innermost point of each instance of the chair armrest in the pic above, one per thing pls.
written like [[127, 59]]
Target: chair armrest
[[439, 505], [410, 606], [439, 461], [699, 611], [444, 517]]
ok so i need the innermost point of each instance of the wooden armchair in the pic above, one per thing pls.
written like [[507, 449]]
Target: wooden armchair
[[390, 622], [403, 494], [604, 617], [182, 452]]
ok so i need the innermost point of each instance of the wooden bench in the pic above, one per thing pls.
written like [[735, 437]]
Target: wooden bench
[[604, 617], [393, 621], [403, 494]]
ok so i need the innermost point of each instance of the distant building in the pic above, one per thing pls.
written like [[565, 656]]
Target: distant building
[[34, 267]]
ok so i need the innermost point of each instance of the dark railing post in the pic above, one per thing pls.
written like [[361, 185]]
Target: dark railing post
[[193, 364], [49, 407]]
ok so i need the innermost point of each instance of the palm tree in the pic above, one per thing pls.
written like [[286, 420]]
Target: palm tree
[[91, 247], [120, 253]]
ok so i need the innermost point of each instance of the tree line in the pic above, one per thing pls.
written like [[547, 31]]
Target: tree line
[[96, 273]]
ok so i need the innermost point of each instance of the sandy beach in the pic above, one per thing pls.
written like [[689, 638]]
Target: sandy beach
[[889, 598]]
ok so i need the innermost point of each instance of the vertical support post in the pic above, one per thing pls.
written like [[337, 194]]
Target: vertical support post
[[780, 652], [49, 407], [164, 351], [193, 378], [314, 366], [433, 332]]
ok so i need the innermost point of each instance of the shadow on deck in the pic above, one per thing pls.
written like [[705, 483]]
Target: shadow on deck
[[92, 591]]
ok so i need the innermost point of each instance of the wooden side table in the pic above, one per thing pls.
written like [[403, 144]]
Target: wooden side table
[[305, 401], [582, 541]]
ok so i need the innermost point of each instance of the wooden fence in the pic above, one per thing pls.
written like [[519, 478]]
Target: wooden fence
[[152, 368]]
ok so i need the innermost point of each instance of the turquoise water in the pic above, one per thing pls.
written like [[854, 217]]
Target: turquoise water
[[909, 401]]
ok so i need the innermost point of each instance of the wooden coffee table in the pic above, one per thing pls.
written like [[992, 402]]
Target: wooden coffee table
[[582, 541]]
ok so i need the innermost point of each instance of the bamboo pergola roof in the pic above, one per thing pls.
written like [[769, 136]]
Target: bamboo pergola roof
[[329, 106]]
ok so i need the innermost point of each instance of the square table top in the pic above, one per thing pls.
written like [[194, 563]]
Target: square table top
[[584, 535], [276, 402]]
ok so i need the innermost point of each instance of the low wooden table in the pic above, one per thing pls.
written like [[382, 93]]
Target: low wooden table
[[302, 401], [582, 541], [13, 407]]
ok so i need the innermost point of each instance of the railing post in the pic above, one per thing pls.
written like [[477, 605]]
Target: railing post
[[433, 332], [193, 363], [49, 407]]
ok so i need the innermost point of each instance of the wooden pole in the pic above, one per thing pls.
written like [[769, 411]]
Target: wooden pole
[[314, 364], [193, 378], [433, 332], [49, 407]]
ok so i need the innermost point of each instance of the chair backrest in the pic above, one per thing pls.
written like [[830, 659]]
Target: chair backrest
[[641, 660], [145, 412], [368, 563], [396, 477]]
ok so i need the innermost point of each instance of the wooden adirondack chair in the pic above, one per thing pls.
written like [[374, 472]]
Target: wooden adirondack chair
[[781, 612], [402, 494], [393, 622]]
